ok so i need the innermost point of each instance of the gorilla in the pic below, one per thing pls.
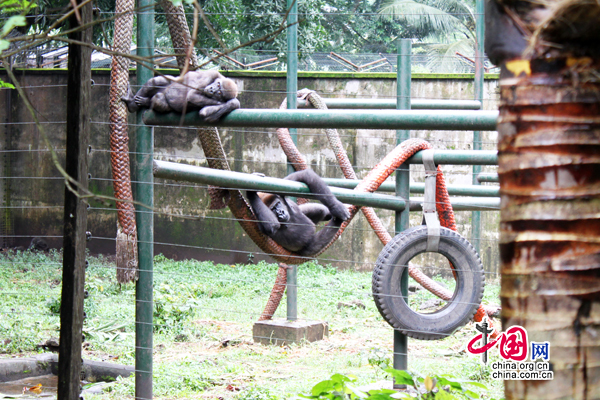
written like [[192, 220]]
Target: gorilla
[[208, 92], [293, 226]]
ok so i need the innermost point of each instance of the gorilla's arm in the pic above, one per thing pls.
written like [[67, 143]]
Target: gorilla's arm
[[321, 191], [267, 221], [214, 113], [316, 212]]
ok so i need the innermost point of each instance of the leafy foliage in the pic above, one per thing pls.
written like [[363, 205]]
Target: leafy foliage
[[445, 387], [449, 24]]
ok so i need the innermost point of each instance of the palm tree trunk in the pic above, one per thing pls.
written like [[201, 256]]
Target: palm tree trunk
[[549, 167]]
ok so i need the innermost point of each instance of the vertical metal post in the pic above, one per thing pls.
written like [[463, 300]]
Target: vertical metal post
[[292, 66], [403, 83], [75, 212], [479, 75], [292, 293], [144, 193], [291, 89]]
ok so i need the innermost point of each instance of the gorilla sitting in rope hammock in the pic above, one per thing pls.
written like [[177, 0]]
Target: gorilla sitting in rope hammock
[[293, 226]]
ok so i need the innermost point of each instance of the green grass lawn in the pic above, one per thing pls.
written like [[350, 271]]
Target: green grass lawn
[[203, 327]]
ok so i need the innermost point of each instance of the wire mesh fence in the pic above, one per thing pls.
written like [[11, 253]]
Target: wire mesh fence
[[425, 60], [211, 282]]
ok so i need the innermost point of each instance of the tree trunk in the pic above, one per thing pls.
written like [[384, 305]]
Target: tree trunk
[[549, 167]]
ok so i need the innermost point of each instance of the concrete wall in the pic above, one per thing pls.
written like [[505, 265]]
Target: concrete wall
[[185, 228]]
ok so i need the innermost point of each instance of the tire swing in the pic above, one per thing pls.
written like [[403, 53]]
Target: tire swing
[[393, 261]]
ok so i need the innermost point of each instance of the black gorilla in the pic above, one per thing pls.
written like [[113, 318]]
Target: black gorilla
[[293, 226]]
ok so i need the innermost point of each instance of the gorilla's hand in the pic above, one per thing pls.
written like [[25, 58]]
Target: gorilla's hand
[[339, 211]]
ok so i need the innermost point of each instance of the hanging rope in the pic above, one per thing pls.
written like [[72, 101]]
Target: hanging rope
[[374, 180], [126, 251]]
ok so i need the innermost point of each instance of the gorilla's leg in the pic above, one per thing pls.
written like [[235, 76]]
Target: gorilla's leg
[[159, 103], [319, 188], [143, 98]]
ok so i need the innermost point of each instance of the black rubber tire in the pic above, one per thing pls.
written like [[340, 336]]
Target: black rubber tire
[[393, 261]]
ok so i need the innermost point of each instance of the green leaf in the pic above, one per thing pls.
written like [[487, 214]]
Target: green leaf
[[356, 392], [401, 377], [449, 382], [322, 387], [339, 378], [382, 391], [472, 395], [476, 384], [14, 21], [4, 44]]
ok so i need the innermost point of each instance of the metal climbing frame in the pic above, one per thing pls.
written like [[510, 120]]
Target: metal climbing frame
[[401, 120]]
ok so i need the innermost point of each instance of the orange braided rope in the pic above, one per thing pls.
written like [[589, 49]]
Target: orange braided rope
[[373, 180], [127, 259]]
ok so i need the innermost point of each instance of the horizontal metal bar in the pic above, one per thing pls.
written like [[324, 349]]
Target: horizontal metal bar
[[419, 188], [463, 204], [390, 104], [458, 157], [488, 177], [459, 120], [238, 180]]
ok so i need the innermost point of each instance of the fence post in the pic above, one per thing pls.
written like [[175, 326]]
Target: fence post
[[75, 212], [403, 83], [478, 85], [291, 90], [144, 193]]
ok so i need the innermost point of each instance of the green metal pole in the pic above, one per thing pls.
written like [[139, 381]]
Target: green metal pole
[[489, 177], [403, 83], [292, 65], [419, 188], [144, 193], [480, 27], [458, 120], [239, 180], [422, 104], [291, 89]]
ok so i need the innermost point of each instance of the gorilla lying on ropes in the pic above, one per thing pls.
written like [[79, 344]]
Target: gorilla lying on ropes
[[293, 226], [207, 91]]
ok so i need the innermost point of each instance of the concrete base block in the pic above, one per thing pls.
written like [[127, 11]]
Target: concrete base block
[[280, 332]]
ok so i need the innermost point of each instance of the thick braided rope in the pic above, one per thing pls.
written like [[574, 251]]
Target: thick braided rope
[[373, 181], [276, 293], [180, 34], [347, 169], [119, 144]]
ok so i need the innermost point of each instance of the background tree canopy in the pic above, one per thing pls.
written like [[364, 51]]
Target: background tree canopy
[[358, 26]]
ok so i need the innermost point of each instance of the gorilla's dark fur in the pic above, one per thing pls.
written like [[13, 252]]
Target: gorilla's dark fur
[[293, 226], [207, 91]]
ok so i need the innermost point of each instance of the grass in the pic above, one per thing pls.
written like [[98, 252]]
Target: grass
[[203, 327]]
